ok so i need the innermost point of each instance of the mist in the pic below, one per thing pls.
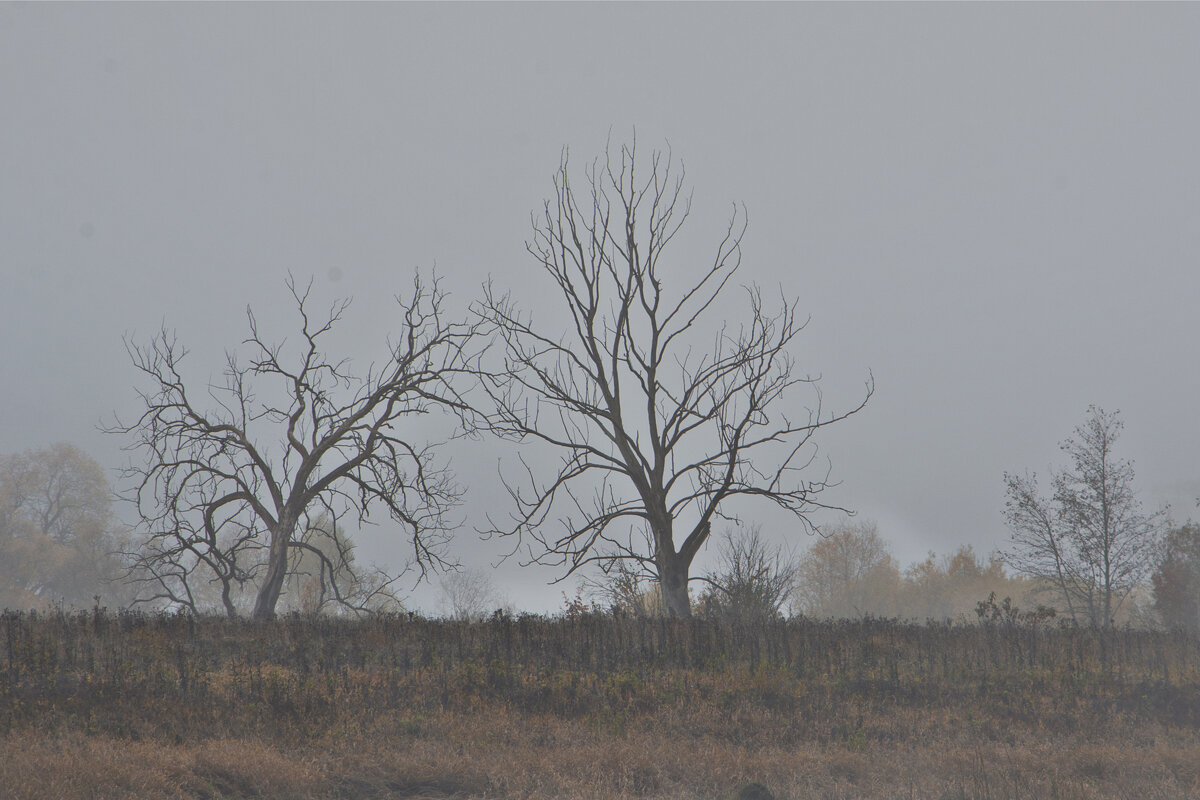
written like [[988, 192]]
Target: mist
[[990, 209]]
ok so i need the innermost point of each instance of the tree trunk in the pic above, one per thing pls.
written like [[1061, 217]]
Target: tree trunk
[[226, 598], [673, 584], [272, 585]]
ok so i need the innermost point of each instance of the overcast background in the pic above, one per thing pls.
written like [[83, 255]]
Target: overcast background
[[993, 208]]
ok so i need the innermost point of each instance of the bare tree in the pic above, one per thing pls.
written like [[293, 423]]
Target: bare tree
[[660, 433], [1091, 540], [470, 595], [753, 579], [1042, 545], [229, 491]]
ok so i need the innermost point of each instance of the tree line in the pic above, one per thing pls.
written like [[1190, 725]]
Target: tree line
[[61, 545], [654, 414]]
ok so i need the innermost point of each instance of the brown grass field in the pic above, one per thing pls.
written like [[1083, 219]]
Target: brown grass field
[[141, 706]]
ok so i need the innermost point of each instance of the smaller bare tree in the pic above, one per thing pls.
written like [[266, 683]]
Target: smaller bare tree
[[469, 595], [1090, 541], [753, 579], [230, 492]]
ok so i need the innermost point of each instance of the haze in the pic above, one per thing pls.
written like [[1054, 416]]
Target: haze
[[993, 209]]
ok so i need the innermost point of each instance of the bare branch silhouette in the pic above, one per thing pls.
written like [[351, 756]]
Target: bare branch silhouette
[[654, 433], [229, 491]]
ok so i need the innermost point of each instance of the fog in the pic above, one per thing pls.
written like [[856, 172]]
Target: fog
[[992, 209]]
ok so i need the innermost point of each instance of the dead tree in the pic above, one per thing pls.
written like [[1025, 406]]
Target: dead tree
[[229, 483], [656, 432]]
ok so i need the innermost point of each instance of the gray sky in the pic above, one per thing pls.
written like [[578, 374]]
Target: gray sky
[[994, 208]]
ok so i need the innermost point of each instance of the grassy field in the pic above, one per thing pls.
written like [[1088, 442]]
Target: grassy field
[[134, 706]]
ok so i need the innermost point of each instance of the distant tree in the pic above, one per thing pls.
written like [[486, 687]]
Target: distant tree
[[753, 579], [660, 433], [58, 542], [326, 561], [1176, 578], [622, 587], [1090, 541], [229, 487], [848, 572], [953, 586], [470, 595]]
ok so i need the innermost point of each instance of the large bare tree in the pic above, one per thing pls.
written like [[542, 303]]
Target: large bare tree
[[1091, 541], [660, 409], [230, 482]]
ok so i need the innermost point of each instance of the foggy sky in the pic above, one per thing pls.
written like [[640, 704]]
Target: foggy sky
[[995, 209]]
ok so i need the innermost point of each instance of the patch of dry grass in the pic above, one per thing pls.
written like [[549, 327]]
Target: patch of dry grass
[[542, 758], [594, 709]]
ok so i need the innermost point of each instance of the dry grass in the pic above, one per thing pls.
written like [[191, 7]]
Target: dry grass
[[150, 707], [531, 757]]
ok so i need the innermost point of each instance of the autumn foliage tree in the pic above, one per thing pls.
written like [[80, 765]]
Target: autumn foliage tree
[[1176, 578], [58, 540], [232, 482], [953, 585], [662, 405], [848, 572]]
